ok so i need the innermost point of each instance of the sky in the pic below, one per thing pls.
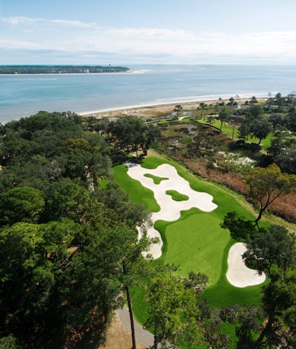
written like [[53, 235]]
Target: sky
[[135, 32]]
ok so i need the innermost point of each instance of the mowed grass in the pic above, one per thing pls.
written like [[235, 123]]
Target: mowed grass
[[156, 179], [177, 196], [195, 242], [134, 189]]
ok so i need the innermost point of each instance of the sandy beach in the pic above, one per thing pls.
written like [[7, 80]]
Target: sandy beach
[[152, 109]]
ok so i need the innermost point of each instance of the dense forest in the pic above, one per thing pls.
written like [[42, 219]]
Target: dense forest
[[60, 69], [69, 248], [66, 229]]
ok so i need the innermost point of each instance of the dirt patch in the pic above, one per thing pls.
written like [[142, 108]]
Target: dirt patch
[[118, 337]]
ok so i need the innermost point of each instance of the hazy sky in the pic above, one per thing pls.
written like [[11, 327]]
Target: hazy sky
[[147, 31]]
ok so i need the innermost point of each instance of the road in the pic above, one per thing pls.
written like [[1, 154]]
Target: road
[[142, 335]]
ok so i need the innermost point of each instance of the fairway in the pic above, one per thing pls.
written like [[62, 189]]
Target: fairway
[[195, 241]]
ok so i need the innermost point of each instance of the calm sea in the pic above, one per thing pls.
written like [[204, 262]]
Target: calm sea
[[25, 95]]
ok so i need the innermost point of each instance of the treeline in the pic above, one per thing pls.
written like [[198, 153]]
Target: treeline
[[65, 231], [59, 69], [276, 117]]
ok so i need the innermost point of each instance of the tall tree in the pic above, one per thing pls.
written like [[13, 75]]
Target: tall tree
[[268, 184], [223, 116], [279, 303], [260, 128], [133, 265], [173, 312], [131, 133], [21, 204], [275, 246]]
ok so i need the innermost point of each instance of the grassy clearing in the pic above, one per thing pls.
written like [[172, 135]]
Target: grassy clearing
[[177, 196], [232, 131], [227, 128], [156, 180]]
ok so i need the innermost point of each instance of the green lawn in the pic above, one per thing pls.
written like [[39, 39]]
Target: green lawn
[[156, 179], [228, 129], [134, 189], [177, 196], [195, 242], [232, 132]]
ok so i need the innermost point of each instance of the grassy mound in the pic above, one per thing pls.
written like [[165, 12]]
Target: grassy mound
[[156, 180], [177, 196]]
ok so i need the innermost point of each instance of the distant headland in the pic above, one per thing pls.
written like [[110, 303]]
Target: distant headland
[[60, 69]]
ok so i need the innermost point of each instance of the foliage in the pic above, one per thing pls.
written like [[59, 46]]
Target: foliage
[[224, 115], [247, 321], [9, 342], [279, 303], [283, 152], [21, 204], [62, 239], [58, 69], [268, 184], [272, 251], [254, 124], [131, 133], [48, 146], [173, 313], [266, 248]]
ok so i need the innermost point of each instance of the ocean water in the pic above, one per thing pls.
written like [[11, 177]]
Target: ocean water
[[25, 95]]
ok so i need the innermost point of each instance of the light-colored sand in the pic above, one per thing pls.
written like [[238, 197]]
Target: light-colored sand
[[170, 210], [164, 106], [238, 274]]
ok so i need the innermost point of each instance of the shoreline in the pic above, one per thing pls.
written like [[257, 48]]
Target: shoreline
[[130, 71], [174, 101]]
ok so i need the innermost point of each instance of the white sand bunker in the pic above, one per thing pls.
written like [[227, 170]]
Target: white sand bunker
[[238, 274], [170, 210]]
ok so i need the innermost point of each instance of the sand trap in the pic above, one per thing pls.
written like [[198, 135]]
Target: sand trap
[[170, 210], [238, 274]]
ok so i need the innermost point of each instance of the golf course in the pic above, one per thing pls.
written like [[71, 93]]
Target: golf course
[[192, 240]]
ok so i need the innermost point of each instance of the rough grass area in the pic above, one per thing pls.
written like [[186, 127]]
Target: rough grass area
[[156, 180], [177, 196]]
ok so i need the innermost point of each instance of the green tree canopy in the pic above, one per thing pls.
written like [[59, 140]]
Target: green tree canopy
[[224, 116], [268, 184], [275, 246], [21, 204], [132, 133], [173, 312]]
